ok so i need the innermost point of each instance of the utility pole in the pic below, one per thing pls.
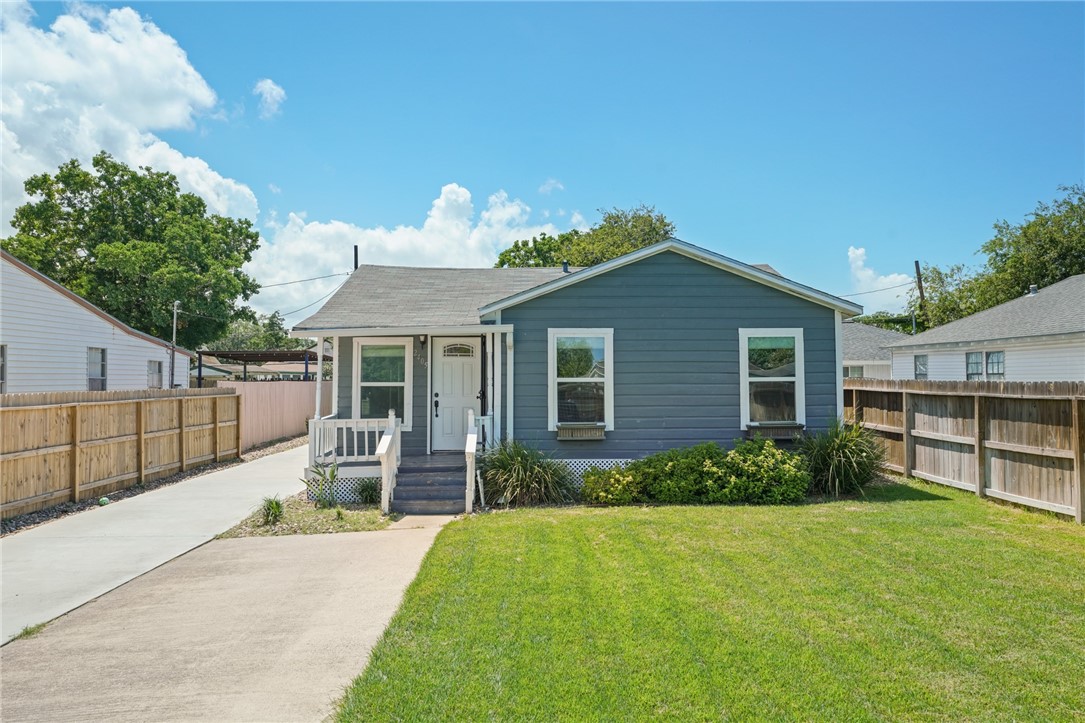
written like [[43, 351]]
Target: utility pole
[[919, 284], [173, 347]]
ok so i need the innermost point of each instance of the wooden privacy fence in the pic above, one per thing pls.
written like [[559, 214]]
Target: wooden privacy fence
[[63, 446], [273, 410], [1017, 441]]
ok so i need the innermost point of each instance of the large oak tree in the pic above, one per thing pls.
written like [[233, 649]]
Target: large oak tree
[[131, 243]]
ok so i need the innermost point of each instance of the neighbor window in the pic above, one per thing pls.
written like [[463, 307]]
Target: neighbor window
[[3, 368], [154, 374], [996, 366], [382, 375], [581, 377], [96, 369], [771, 373], [973, 366], [920, 362], [853, 371]]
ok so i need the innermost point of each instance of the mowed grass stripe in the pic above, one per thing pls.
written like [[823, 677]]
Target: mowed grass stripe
[[915, 603]]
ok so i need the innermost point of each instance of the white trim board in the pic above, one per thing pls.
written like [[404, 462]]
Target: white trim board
[[800, 372], [471, 330], [552, 368], [407, 413]]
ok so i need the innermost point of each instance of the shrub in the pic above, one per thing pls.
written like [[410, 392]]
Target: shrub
[[842, 459], [677, 476], [368, 490], [322, 485], [522, 475], [271, 511], [757, 472], [613, 486]]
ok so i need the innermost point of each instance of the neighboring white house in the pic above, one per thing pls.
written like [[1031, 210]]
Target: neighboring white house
[[865, 352], [53, 340], [1039, 337]]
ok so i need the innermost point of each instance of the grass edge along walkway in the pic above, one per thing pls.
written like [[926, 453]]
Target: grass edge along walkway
[[916, 602]]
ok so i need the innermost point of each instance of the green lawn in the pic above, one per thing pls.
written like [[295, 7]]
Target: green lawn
[[916, 603]]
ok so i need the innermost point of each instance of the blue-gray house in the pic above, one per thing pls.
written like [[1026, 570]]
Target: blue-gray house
[[670, 345]]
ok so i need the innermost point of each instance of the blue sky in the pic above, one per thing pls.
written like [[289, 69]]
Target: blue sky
[[778, 133]]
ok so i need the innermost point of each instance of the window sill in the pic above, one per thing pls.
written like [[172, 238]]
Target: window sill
[[581, 431], [777, 430]]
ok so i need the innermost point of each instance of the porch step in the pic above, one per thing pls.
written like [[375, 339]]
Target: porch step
[[414, 493], [429, 507], [438, 469], [427, 479]]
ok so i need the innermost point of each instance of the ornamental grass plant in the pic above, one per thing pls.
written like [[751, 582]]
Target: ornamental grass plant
[[516, 474]]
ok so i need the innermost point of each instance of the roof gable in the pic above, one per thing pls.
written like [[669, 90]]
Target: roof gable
[[863, 342], [696, 253]]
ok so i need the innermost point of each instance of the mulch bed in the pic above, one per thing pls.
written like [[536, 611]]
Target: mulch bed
[[33, 519]]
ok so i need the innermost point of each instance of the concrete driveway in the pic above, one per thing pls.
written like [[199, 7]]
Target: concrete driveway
[[249, 629]]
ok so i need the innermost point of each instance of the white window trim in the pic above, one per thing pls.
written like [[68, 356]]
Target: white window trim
[[744, 372], [552, 374], [406, 415]]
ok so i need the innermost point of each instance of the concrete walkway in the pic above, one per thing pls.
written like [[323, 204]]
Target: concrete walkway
[[248, 629], [56, 567]]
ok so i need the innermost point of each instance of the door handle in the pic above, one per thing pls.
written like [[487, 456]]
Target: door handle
[[436, 406]]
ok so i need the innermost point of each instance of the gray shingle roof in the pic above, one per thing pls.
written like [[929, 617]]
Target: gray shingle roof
[[390, 296], [1055, 309], [863, 342]]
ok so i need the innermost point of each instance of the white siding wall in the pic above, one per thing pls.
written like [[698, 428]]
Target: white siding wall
[[47, 336], [877, 371], [1048, 362]]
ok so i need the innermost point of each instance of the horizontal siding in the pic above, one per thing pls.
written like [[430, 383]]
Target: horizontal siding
[[676, 376], [47, 336], [1048, 362]]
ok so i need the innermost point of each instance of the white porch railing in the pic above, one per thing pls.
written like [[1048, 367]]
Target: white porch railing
[[389, 454], [342, 441], [470, 449], [486, 430]]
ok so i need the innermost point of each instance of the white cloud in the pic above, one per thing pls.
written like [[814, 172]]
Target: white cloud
[[551, 185], [274, 189], [101, 79], [578, 221], [450, 236], [271, 95], [865, 279]]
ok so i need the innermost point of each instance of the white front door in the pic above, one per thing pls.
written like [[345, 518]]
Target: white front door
[[457, 382]]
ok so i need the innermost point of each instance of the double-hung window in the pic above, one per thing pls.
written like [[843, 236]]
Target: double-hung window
[[771, 374], [853, 372], [580, 377], [996, 366], [383, 378], [154, 374], [919, 362], [96, 369], [973, 366]]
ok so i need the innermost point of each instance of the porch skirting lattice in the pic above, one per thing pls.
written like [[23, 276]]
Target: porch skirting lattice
[[580, 466]]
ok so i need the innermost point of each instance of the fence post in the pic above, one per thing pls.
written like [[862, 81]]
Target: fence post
[[909, 443], [215, 427], [141, 454], [181, 451], [979, 453], [1078, 444], [237, 401], [76, 463]]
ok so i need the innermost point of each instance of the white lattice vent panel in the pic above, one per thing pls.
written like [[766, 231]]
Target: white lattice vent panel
[[345, 489], [580, 466]]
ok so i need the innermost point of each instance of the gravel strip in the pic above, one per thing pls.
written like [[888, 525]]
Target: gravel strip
[[33, 519]]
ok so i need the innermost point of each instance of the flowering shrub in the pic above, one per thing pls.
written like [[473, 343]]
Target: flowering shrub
[[677, 476], [612, 486]]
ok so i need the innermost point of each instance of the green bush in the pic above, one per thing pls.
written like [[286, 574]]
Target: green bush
[[677, 476], [271, 511], [613, 486], [522, 475], [842, 459], [757, 472], [368, 490]]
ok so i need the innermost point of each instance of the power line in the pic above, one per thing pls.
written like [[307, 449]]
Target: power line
[[298, 281], [291, 313], [874, 291]]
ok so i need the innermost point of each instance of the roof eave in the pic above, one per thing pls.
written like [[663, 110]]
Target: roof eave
[[1021, 339]]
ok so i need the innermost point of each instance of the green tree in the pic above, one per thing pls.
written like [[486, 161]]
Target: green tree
[[1048, 247], [887, 320], [617, 233], [260, 333], [131, 243]]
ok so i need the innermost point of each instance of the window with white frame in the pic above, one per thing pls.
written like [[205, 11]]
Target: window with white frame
[[96, 369], [580, 377], [771, 374], [383, 378], [920, 366], [154, 374], [996, 366], [853, 372]]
